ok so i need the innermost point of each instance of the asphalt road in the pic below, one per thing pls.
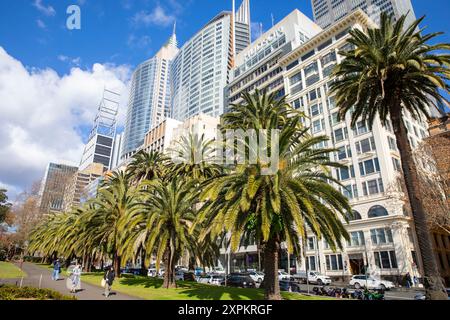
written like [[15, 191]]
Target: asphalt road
[[88, 292]]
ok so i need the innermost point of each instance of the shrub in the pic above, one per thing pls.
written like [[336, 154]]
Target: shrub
[[9, 292]]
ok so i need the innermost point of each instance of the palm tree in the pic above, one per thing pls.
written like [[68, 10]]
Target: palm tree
[[392, 70], [115, 200], [146, 166], [163, 226], [193, 157], [276, 207]]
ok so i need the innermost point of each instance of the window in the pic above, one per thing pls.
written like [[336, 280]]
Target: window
[[334, 262], [295, 79], [381, 236], [366, 145], [328, 58], [332, 102], [356, 239], [314, 94], [316, 109], [385, 259], [350, 191], [361, 128], [344, 152], [392, 144], [298, 103], [311, 74], [311, 243], [369, 166], [318, 125], [377, 211], [372, 187], [355, 215], [340, 134], [308, 55], [396, 164], [334, 119], [292, 65], [345, 173], [311, 263]]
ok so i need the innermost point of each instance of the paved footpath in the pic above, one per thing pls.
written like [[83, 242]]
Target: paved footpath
[[89, 292]]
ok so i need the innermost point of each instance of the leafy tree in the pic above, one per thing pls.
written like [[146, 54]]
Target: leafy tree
[[5, 206]]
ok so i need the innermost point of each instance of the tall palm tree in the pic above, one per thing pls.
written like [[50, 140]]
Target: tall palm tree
[[146, 166], [392, 70], [276, 207], [163, 226], [115, 200]]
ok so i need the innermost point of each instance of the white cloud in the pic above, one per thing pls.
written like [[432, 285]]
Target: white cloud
[[157, 17], [47, 10], [72, 61], [41, 24], [42, 114], [142, 42]]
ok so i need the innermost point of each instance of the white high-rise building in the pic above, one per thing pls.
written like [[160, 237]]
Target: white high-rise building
[[326, 12], [200, 72], [150, 97]]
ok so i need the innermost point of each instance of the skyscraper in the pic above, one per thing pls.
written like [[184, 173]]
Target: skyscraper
[[101, 139], [56, 181], [326, 12], [150, 97], [200, 72]]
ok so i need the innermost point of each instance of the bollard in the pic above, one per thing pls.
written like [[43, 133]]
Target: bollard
[[40, 281]]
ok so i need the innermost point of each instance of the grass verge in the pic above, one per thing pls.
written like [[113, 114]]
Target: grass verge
[[10, 271], [9, 292]]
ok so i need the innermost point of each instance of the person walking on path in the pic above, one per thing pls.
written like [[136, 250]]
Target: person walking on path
[[408, 280], [76, 279], [56, 270], [109, 279]]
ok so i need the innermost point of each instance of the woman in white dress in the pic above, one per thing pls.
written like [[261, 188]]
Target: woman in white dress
[[76, 279]]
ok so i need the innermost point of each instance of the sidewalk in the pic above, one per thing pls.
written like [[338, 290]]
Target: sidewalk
[[89, 292]]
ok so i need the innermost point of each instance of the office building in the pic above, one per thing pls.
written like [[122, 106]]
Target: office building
[[54, 185], [257, 65], [200, 72], [75, 191], [327, 12], [382, 242], [116, 151], [150, 97], [159, 138], [99, 148]]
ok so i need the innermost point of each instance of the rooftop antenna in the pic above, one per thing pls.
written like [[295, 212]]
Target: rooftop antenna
[[174, 27]]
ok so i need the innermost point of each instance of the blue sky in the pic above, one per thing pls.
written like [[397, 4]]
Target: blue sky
[[113, 33], [51, 78]]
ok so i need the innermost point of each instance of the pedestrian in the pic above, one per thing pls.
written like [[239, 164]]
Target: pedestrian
[[415, 281], [408, 280], [109, 279], [56, 270], [76, 279]]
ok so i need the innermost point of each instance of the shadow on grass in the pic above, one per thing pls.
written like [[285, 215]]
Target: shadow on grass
[[197, 290]]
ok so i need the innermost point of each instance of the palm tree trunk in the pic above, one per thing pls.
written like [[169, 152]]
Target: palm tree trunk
[[169, 274], [271, 252], [143, 267], [117, 264], [432, 280]]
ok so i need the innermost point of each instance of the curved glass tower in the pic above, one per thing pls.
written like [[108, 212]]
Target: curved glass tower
[[150, 97]]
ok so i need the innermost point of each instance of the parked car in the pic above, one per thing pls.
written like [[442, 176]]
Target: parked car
[[219, 270], [152, 272], [240, 281], [283, 275], [360, 281], [313, 278], [286, 285], [179, 276], [256, 276], [212, 279]]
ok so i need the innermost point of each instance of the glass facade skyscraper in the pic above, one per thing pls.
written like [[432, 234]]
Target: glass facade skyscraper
[[201, 70], [326, 12], [150, 97]]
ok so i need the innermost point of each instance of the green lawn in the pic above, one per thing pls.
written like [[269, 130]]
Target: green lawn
[[10, 271], [150, 289]]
